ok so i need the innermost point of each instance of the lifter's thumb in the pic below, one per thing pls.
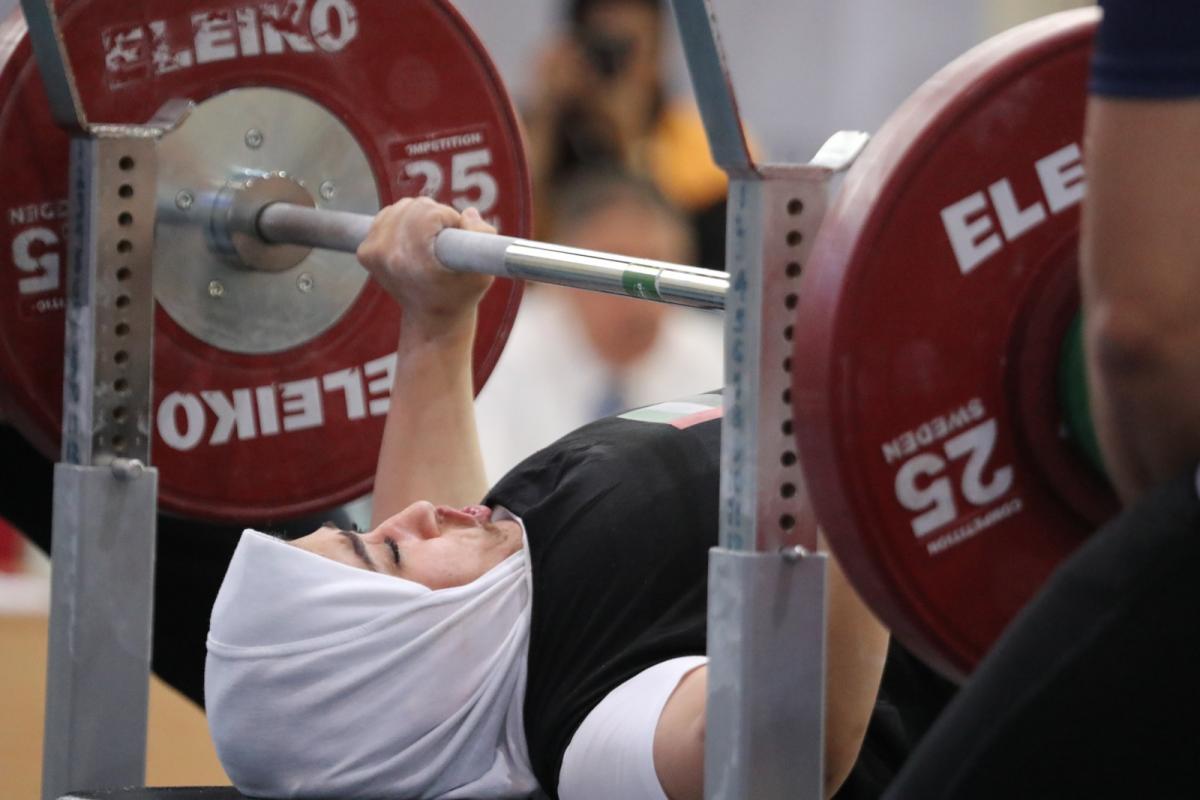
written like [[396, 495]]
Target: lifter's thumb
[[474, 221]]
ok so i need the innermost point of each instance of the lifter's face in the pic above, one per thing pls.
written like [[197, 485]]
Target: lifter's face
[[436, 546]]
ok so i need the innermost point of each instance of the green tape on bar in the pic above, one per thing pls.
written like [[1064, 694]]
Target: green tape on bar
[[641, 283]]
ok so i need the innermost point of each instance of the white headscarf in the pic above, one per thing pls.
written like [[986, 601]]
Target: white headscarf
[[325, 680]]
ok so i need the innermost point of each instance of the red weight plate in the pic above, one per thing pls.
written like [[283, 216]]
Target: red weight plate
[[929, 328], [257, 435]]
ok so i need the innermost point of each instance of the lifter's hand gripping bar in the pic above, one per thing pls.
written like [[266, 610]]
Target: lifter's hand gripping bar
[[505, 256]]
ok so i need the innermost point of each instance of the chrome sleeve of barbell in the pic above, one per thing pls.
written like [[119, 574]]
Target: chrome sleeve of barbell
[[581, 269], [602, 272], [615, 275], [642, 262], [286, 223], [692, 288]]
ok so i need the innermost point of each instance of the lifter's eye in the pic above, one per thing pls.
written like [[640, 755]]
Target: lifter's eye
[[395, 550]]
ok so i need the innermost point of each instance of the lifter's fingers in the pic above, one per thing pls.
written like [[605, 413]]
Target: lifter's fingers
[[375, 246], [472, 220], [424, 219]]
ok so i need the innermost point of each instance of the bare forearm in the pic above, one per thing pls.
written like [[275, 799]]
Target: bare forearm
[[855, 656], [1141, 283], [856, 651], [430, 448]]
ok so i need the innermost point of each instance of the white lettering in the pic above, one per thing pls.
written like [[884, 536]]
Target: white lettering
[[475, 186], [975, 526], [281, 31], [44, 268], [936, 499], [214, 36], [1014, 220], [123, 49], [165, 59], [247, 23], [971, 232], [1062, 177], [924, 435], [248, 413], [239, 413], [969, 224], [301, 405], [933, 430], [349, 381], [139, 51], [978, 444], [938, 496], [330, 36], [167, 419], [430, 172], [49, 304], [444, 143], [46, 211], [268, 416], [385, 368]]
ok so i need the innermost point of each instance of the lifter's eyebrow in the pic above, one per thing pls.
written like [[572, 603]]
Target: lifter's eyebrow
[[359, 549]]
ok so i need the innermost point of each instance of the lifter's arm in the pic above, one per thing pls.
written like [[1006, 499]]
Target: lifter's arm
[[1141, 286], [856, 651], [430, 449]]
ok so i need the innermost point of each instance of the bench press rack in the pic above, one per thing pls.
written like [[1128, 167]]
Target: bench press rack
[[767, 582]]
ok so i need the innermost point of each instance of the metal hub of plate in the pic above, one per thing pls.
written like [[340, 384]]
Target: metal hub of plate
[[927, 340], [258, 140], [234, 221], [271, 388]]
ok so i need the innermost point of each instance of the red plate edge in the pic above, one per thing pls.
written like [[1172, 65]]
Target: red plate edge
[[870, 188], [502, 305]]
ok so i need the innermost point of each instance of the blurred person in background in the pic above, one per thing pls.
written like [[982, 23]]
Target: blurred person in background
[[599, 99], [592, 355]]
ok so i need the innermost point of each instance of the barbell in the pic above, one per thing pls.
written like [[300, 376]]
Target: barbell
[[931, 328], [270, 226]]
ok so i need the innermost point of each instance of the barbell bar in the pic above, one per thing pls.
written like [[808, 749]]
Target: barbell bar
[[283, 223]]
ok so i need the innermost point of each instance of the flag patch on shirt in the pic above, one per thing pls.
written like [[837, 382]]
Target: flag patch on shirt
[[680, 414]]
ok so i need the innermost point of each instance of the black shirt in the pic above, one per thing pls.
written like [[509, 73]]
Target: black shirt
[[620, 516], [1148, 49]]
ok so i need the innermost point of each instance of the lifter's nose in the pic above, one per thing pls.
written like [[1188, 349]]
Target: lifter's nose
[[480, 513], [470, 515]]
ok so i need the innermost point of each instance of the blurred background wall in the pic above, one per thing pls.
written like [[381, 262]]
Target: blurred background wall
[[802, 68]]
